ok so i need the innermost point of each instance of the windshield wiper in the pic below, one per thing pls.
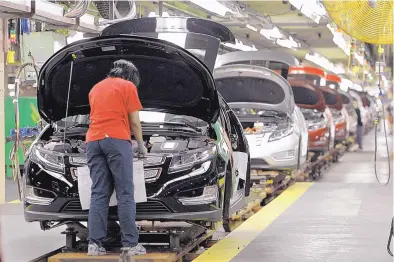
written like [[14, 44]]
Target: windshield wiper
[[196, 129]]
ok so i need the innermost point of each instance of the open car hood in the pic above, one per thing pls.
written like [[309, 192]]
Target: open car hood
[[276, 61], [172, 79], [260, 87], [199, 36], [332, 97], [307, 95]]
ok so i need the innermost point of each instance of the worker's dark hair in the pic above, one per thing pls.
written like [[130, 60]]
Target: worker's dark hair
[[126, 70]]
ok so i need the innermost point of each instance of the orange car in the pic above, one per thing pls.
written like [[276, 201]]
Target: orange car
[[318, 115], [313, 106]]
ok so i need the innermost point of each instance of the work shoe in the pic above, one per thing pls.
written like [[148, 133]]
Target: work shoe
[[95, 250], [128, 253]]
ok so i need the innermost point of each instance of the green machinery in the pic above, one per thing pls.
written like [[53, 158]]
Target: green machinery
[[28, 119]]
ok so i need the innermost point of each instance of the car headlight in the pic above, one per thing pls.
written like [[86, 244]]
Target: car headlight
[[317, 125], [281, 133], [52, 161], [339, 119], [188, 160]]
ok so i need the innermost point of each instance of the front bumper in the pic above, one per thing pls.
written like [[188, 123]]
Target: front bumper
[[256, 163], [180, 200], [279, 154], [163, 209]]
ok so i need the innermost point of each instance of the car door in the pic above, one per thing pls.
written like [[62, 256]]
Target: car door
[[303, 150]]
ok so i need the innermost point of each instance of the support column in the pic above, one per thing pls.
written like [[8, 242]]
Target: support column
[[3, 90]]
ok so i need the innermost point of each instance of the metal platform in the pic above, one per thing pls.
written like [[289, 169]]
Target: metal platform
[[345, 216]]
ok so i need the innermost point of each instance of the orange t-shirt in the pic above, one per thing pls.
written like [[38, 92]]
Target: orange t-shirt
[[110, 102]]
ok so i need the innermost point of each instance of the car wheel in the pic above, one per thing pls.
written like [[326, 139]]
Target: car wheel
[[228, 188]]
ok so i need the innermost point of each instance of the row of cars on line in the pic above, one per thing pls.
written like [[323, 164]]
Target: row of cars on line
[[207, 122]]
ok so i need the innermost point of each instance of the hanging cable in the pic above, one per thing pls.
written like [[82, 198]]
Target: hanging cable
[[380, 50], [13, 155], [390, 238]]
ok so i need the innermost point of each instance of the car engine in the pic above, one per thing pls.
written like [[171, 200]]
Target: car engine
[[156, 144]]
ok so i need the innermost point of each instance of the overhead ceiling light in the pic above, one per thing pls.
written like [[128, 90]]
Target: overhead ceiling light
[[288, 43], [339, 40], [271, 34], [251, 27], [314, 10], [214, 6], [240, 46]]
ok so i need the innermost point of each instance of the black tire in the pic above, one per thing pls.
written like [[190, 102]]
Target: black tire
[[299, 154], [227, 199]]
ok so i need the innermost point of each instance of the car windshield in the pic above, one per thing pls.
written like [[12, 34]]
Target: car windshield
[[330, 98], [145, 117]]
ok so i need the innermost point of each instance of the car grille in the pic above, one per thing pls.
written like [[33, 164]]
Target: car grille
[[150, 207], [257, 162]]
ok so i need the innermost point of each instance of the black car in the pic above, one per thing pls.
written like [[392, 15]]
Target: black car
[[197, 168]]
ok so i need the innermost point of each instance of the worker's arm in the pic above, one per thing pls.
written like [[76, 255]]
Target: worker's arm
[[135, 126]]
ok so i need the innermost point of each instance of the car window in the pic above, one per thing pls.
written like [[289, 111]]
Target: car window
[[250, 89], [305, 96]]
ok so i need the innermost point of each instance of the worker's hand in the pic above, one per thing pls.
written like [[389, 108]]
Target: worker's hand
[[141, 150]]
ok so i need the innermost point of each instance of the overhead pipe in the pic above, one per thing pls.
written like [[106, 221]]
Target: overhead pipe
[[104, 6], [79, 9]]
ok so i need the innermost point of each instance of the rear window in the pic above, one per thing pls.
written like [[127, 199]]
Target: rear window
[[305, 96], [330, 98], [312, 78], [280, 68], [345, 99], [249, 89]]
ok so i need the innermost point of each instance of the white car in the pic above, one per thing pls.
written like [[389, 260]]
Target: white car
[[348, 105], [263, 100]]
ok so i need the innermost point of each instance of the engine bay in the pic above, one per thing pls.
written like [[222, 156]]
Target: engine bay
[[155, 143]]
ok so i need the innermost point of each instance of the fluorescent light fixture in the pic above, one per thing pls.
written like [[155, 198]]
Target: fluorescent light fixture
[[325, 63], [213, 6], [288, 43], [311, 9], [271, 34], [339, 40], [240, 46], [251, 27], [359, 58]]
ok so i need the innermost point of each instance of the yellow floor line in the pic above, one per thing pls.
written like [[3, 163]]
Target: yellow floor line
[[230, 246], [17, 201]]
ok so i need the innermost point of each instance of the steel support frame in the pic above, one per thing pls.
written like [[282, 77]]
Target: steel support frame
[[3, 90]]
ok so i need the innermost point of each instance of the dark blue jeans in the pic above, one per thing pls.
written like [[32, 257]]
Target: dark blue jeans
[[360, 136], [111, 166]]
